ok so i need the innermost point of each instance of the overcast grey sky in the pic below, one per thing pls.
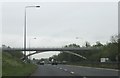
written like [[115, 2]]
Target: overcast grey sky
[[56, 24]]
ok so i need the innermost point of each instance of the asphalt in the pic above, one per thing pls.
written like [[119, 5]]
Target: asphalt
[[90, 71], [69, 70], [50, 70]]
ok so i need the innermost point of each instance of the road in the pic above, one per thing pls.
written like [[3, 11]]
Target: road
[[69, 70]]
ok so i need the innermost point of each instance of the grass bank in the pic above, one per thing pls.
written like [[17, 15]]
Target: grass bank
[[13, 66]]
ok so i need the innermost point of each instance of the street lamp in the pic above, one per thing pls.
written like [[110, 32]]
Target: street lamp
[[26, 28]]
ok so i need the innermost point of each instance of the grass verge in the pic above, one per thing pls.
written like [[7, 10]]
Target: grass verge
[[13, 66]]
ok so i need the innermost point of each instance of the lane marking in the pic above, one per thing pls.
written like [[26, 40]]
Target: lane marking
[[72, 72], [107, 69], [84, 77], [60, 68], [95, 68], [65, 69]]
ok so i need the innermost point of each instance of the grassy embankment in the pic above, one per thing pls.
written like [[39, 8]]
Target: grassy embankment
[[13, 66]]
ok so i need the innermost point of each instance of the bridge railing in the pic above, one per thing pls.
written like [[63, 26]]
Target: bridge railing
[[49, 49]]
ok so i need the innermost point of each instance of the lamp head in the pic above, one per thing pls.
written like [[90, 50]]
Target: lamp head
[[38, 6]]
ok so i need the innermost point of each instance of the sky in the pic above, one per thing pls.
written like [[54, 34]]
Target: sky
[[56, 24]]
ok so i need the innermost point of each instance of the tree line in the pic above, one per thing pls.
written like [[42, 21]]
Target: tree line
[[108, 50]]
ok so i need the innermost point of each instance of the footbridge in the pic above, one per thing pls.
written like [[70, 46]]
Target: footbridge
[[49, 49], [65, 49]]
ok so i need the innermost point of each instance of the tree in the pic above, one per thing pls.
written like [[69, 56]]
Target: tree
[[114, 39], [73, 45], [108, 50], [34, 59], [87, 44], [98, 44]]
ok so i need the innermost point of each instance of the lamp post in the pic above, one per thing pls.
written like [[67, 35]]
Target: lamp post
[[25, 28]]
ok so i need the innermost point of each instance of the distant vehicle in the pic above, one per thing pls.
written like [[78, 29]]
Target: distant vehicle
[[64, 62], [54, 63], [41, 63]]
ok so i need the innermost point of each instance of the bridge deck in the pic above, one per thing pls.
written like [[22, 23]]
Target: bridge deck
[[49, 49]]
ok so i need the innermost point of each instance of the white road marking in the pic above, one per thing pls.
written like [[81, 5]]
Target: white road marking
[[84, 77], [72, 72], [95, 68], [65, 69], [60, 68]]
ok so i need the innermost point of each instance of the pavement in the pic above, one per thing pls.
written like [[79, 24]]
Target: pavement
[[71, 70]]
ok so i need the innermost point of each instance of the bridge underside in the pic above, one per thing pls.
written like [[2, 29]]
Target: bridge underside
[[73, 53]]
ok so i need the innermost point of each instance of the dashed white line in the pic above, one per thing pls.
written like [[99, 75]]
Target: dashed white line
[[60, 68], [72, 72], [95, 68], [65, 69], [84, 77]]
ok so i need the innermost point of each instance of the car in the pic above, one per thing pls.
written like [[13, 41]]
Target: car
[[41, 63], [54, 63]]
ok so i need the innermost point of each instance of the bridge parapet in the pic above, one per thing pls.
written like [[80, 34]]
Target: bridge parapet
[[50, 49]]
